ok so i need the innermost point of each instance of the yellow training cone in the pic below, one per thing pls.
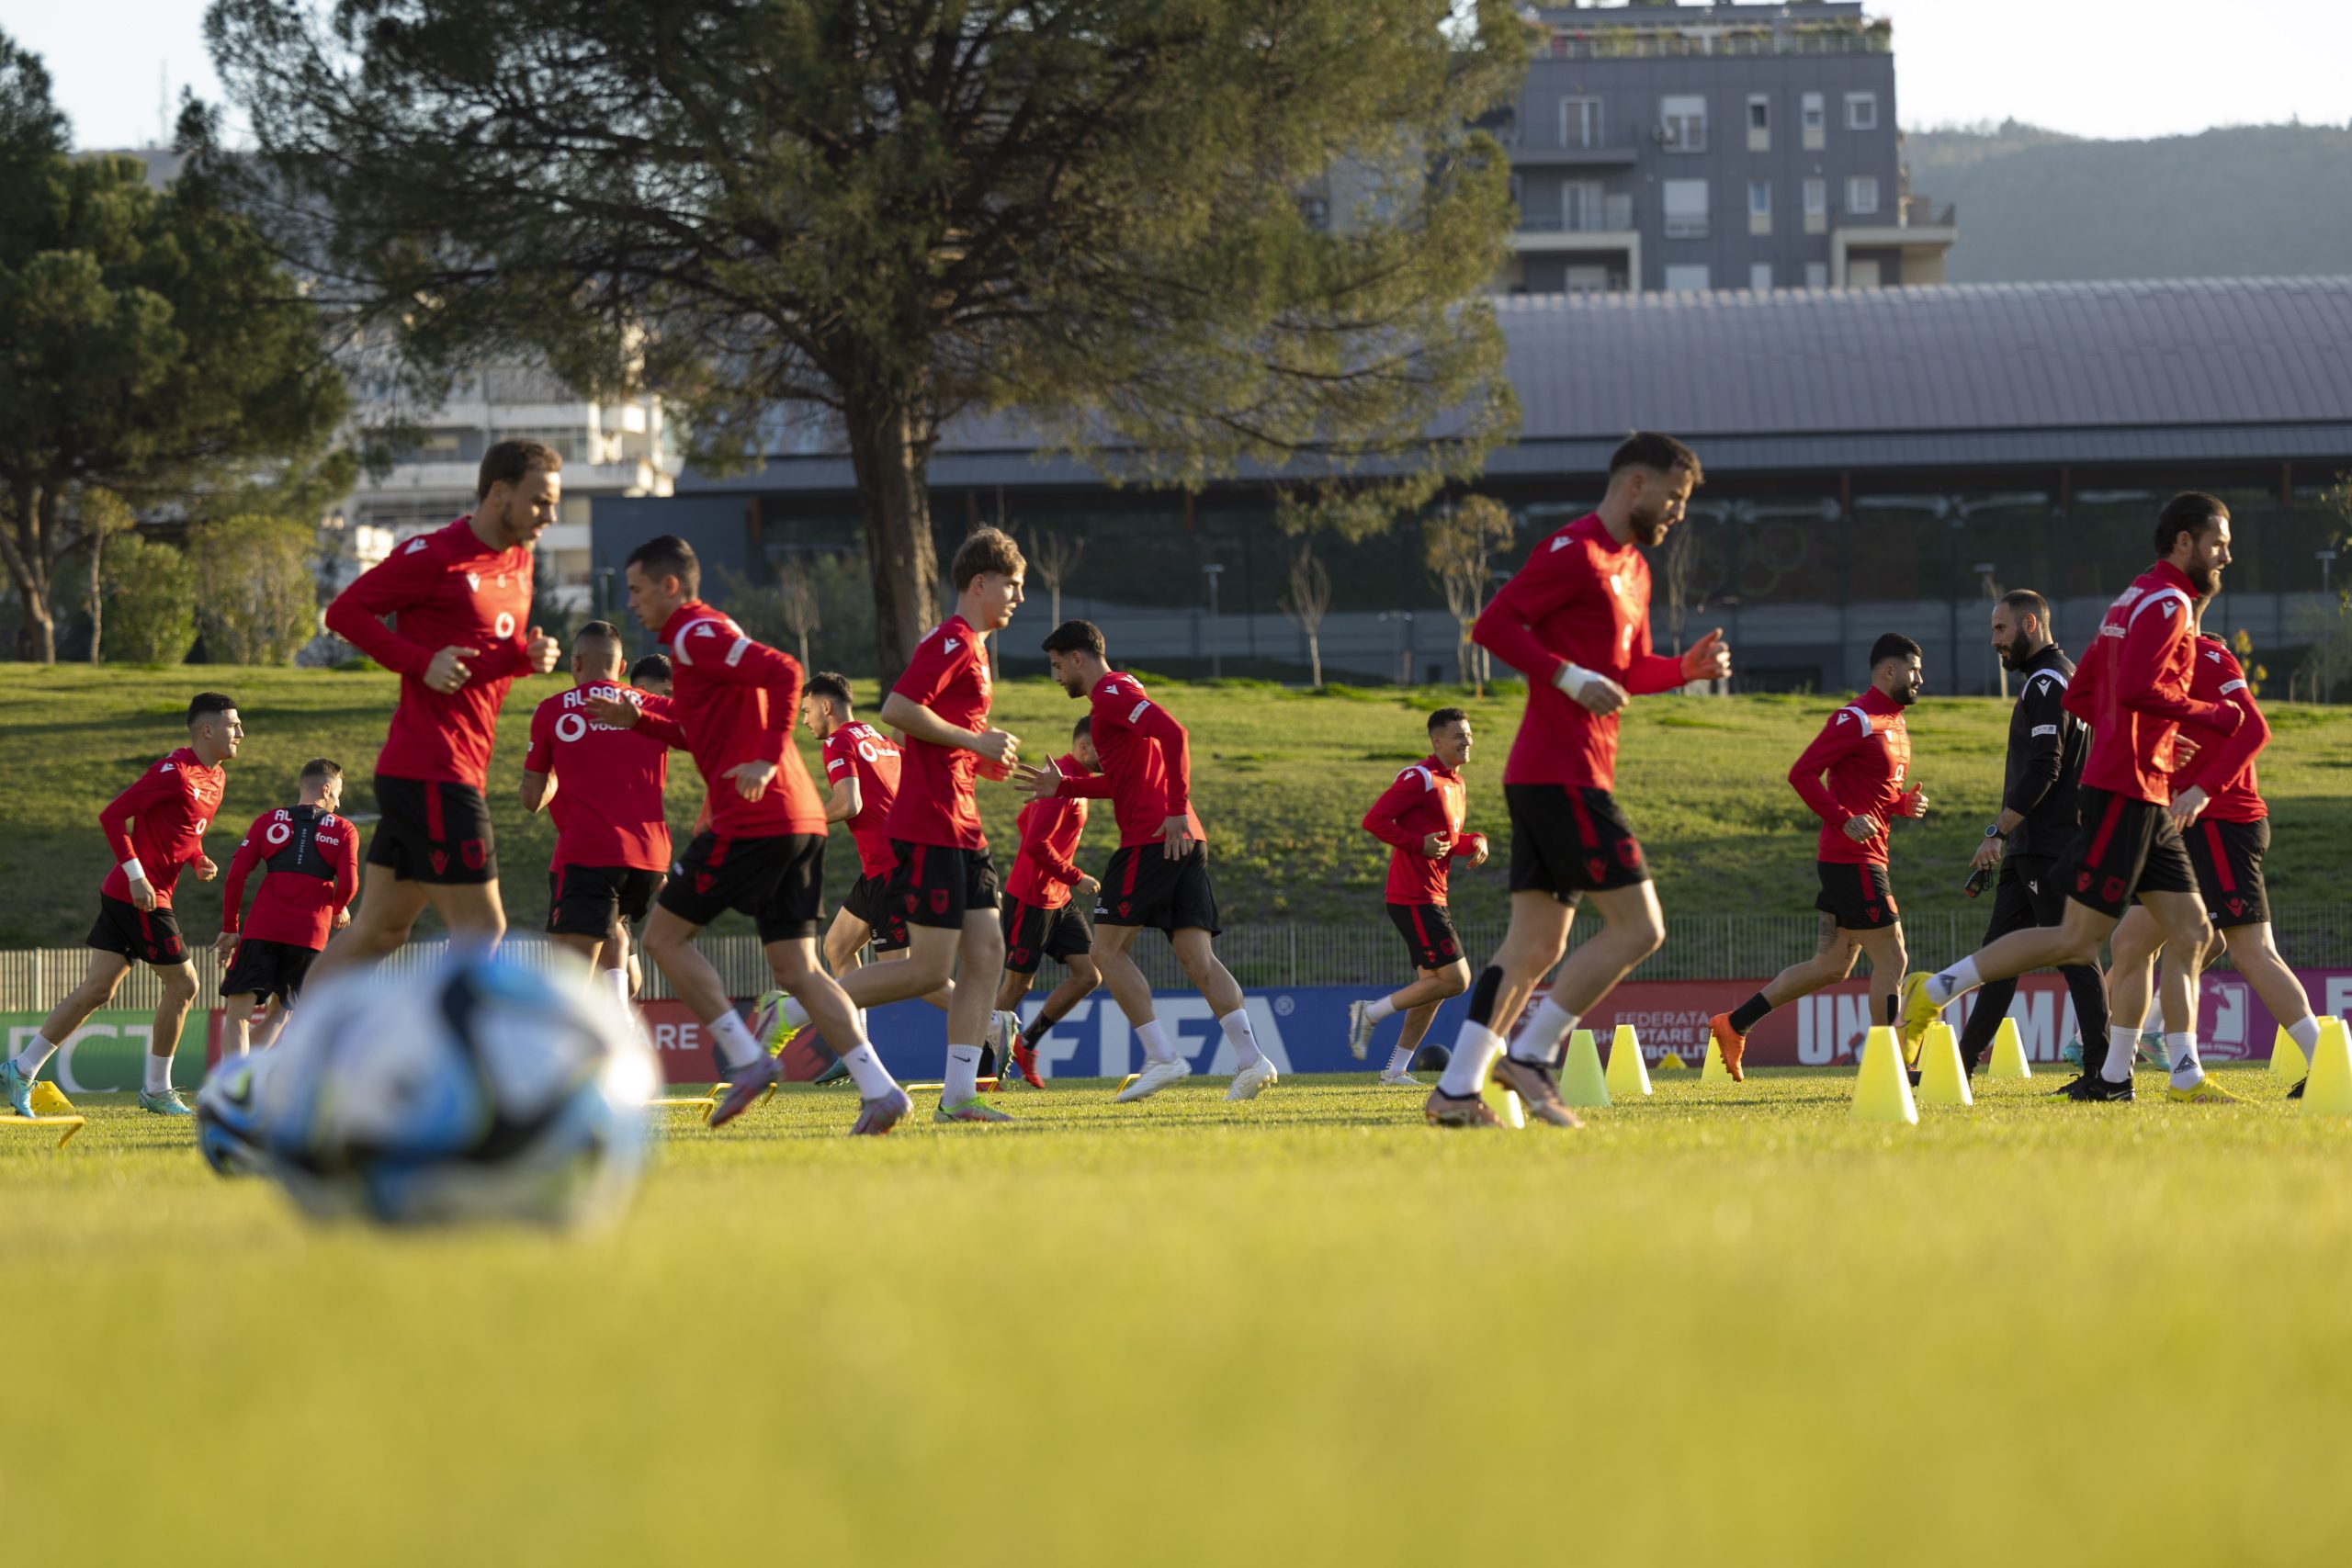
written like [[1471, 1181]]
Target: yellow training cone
[[2008, 1053], [1582, 1083], [1627, 1073], [1882, 1093], [2287, 1058], [1671, 1061], [1504, 1103], [50, 1100], [2329, 1090], [1942, 1080], [1715, 1072]]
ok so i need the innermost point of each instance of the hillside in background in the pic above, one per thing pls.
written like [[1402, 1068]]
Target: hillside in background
[[2249, 201]]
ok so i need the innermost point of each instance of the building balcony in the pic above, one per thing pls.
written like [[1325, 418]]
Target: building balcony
[[1616, 146], [1613, 215]]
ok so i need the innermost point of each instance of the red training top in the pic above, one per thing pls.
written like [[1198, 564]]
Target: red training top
[[736, 699], [862, 751], [161, 820], [1147, 763], [1582, 598], [447, 590], [2223, 764], [1045, 866], [313, 861], [608, 782], [1866, 750], [2131, 687], [1426, 799], [949, 675]]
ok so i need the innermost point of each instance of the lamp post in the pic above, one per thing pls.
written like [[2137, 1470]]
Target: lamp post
[[2326, 559], [1216, 641], [1984, 570]]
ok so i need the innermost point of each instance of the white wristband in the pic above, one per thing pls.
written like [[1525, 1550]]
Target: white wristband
[[133, 870], [1573, 678]]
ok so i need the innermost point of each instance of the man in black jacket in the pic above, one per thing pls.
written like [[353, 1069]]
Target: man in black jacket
[[2047, 745]]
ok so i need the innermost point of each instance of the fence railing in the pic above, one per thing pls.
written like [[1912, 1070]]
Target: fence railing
[[1708, 947]]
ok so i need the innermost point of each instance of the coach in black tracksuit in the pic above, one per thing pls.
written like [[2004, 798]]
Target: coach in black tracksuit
[[2047, 746]]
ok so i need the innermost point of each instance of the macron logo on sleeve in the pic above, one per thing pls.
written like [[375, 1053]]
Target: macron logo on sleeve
[[414, 545]]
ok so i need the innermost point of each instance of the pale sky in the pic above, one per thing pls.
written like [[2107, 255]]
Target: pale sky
[[2105, 68]]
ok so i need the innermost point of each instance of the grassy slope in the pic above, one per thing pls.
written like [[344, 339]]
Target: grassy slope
[[1281, 777], [1184, 1332]]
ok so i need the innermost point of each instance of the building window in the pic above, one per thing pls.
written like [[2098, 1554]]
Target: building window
[[1689, 279], [1862, 195], [1816, 275], [1862, 272], [1582, 206], [1816, 196], [1579, 122], [1759, 277], [1861, 112], [1686, 210], [1682, 122], [1760, 206], [1813, 119], [1760, 122]]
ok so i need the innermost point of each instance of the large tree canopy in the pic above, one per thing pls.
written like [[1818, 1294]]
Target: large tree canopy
[[1179, 235]]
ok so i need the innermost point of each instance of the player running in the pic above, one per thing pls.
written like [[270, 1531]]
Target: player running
[[764, 852], [2217, 803], [1420, 818], [2043, 779], [155, 827], [604, 787], [311, 861], [462, 595], [1576, 620], [1865, 750], [1159, 877], [2132, 688], [1044, 912]]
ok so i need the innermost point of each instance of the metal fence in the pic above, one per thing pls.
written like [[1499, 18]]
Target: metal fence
[[1710, 947]]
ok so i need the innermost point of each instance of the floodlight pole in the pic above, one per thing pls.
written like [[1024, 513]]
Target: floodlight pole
[[1213, 571]]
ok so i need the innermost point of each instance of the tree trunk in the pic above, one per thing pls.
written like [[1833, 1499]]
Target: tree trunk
[[97, 601], [1315, 655], [890, 449], [25, 549]]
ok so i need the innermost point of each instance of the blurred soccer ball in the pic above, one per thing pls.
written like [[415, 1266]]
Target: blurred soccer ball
[[228, 1115], [483, 1089]]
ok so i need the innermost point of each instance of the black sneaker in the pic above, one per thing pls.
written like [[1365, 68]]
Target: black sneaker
[[2296, 1093], [2091, 1088], [2071, 1085]]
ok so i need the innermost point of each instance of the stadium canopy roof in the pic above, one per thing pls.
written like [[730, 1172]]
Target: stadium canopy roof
[[1965, 376]]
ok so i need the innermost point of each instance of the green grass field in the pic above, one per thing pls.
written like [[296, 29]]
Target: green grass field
[[1728, 1325], [1281, 777]]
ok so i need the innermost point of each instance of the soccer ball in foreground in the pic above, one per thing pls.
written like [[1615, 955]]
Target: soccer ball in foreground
[[228, 1115], [481, 1089]]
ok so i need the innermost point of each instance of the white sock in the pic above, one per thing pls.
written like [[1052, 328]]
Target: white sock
[[862, 1033], [1474, 1050], [866, 1068], [1236, 1025], [1155, 1042], [2303, 1032], [2122, 1048], [619, 980], [1947, 983], [1539, 1041], [37, 1051], [2180, 1050], [1381, 1007], [1398, 1060], [736, 1049], [159, 1073], [963, 1075]]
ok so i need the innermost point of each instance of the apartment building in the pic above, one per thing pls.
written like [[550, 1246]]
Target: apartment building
[[1682, 147]]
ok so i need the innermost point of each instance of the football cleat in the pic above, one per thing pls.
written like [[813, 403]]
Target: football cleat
[[167, 1103], [19, 1088], [2151, 1050], [1360, 1028], [972, 1110], [2093, 1089], [1919, 1009], [875, 1117], [1253, 1078], [2296, 1093], [2071, 1052], [769, 1026], [2205, 1091], [750, 1084], [1155, 1077], [1024, 1068], [1730, 1045], [1539, 1088], [1399, 1080], [836, 1071], [1444, 1110]]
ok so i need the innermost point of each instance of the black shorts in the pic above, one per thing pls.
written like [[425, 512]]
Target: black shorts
[[152, 936], [432, 833], [869, 900], [1565, 840], [1428, 934], [1031, 935], [584, 901], [1858, 897], [2026, 895], [1143, 887], [933, 885], [268, 969], [2125, 847], [778, 880], [2228, 858]]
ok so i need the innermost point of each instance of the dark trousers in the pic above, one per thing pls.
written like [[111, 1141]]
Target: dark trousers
[[2026, 896]]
